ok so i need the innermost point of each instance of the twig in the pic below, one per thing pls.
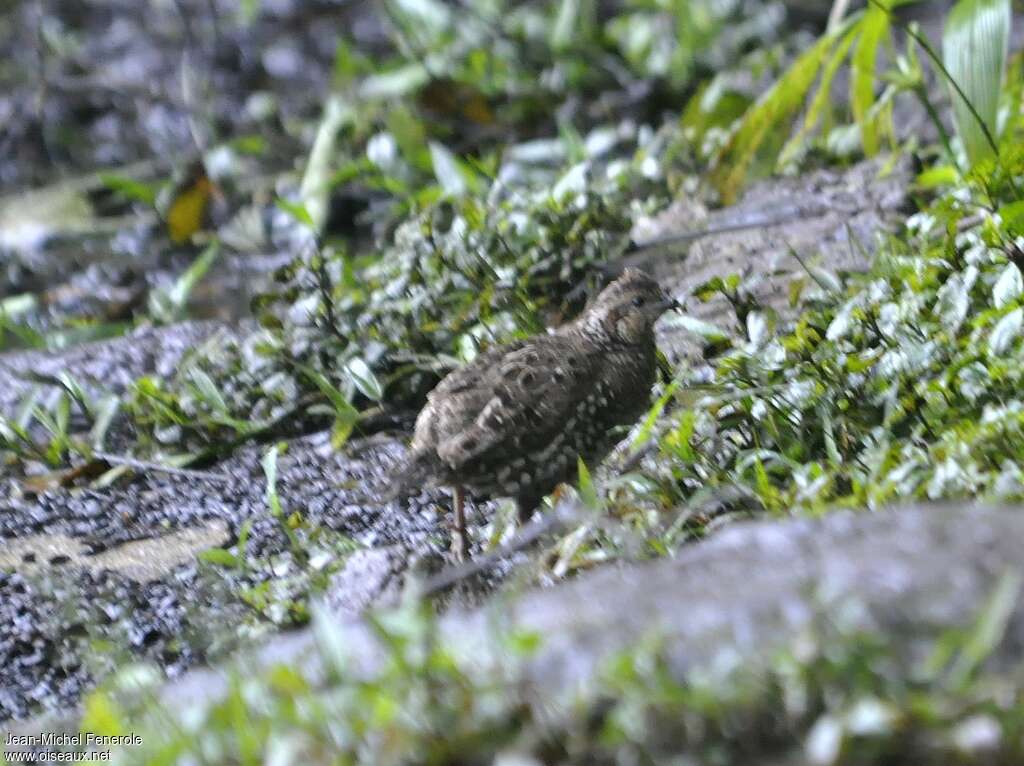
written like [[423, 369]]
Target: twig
[[634, 248]]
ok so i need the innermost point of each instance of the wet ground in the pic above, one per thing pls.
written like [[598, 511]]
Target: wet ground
[[90, 575]]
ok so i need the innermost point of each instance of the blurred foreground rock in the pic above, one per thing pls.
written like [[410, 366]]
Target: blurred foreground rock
[[910, 573]]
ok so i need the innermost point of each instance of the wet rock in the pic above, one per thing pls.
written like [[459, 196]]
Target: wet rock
[[329, 489], [50, 613], [326, 488]]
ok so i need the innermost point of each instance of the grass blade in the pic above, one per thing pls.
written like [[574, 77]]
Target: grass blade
[[974, 50], [821, 99], [874, 28]]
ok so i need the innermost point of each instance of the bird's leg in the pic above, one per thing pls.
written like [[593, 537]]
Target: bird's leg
[[460, 543]]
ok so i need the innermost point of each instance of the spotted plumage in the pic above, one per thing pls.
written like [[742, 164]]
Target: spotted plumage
[[513, 422]]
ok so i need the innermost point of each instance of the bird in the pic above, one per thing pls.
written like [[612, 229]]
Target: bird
[[515, 421]]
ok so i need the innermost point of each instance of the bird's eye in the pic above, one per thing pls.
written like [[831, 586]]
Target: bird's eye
[[638, 301]]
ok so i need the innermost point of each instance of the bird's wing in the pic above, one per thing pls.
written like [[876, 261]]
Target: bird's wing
[[519, 405], [456, 401]]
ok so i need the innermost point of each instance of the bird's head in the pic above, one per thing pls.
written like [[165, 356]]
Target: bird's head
[[627, 309]]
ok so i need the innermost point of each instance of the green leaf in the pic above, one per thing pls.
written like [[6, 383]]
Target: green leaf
[[316, 181], [653, 414], [974, 49], [364, 379], [105, 412], [341, 430], [706, 330], [182, 288], [340, 402], [955, 297], [1005, 331], [208, 391], [873, 29], [757, 328], [243, 536], [1008, 287], [14, 305], [103, 716], [821, 99], [586, 486], [424, 16], [1013, 217], [220, 557], [269, 465], [394, 84], [347, 63], [345, 414], [297, 211], [938, 176], [989, 628], [129, 188], [575, 21], [840, 325]]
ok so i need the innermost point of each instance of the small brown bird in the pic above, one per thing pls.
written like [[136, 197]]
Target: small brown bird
[[513, 422]]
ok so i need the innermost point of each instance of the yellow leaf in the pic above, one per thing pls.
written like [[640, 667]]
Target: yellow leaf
[[187, 212]]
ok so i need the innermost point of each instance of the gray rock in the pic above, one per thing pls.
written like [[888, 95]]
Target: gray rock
[[370, 576]]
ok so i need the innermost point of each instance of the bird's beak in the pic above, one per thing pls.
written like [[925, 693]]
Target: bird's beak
[[670, 304]]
